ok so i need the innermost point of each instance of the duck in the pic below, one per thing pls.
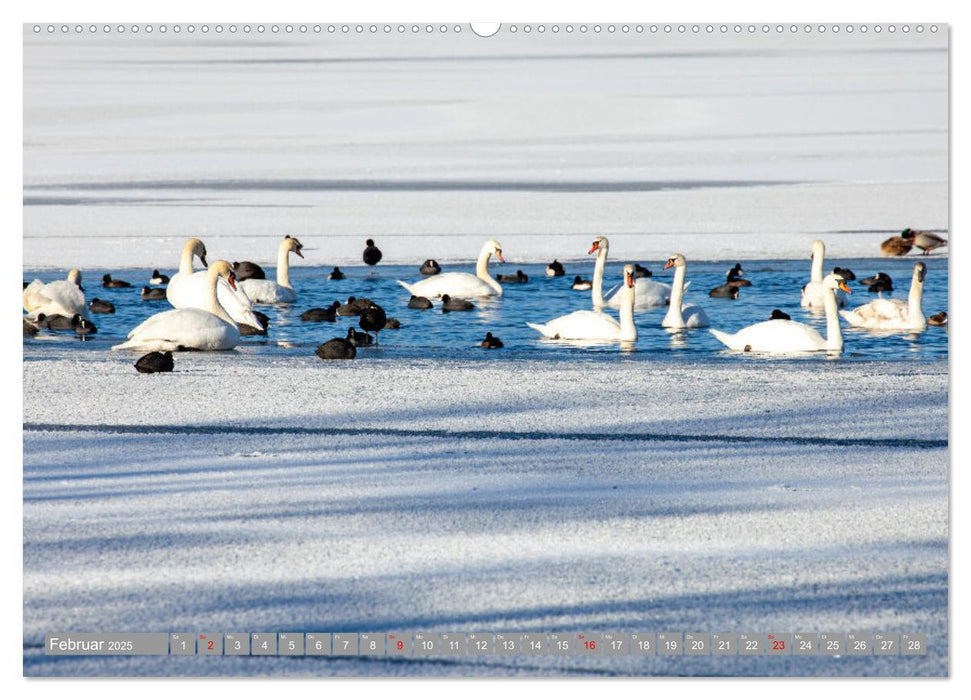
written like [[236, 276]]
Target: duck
[[372, 256], [247, 270], [455, 304], [491, 342], [153, 294], [356, 338], [733, 278], [392, 324], [336, 274], [57, 298], [246, 329], [336, 349], [106, 281], [581, 285], [373, 319], [893, 314], [190, 328], [845, 273], [353, 307], [83, 327], [329, 314], [33, 327], [430, 267], [785, 337], [925, 240], [100, 306], [814, 294], [188, 289], [555, 269], [878, 283], [519, 278], [724, 291], [895, 246], [56, 322], [640, 271], [158, 278], [682, 315], [778, 315], [419, 302], [481, 284], [155, 362], [279, 292], [938, 319], [596, 325]]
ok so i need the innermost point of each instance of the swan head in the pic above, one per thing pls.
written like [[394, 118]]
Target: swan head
[[833, 281], [677, 260], [74, 276], [629, 276], [221, 268], [198, 248], [920, 272], [600, 242], [294, 246], [819, 249], [494, 248]]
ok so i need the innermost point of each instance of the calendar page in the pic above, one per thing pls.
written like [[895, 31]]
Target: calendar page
[[449, 349]]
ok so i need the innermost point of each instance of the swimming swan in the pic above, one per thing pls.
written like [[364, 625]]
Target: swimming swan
[[191, 328], [58, 298], [814, 294], [462, 284], [189, 290], [780, 336], [893, 314], [596, 325], [647, 292], [281, 291], [678, 315]]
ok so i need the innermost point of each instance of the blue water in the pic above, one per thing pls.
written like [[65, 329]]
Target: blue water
[[456, 335]]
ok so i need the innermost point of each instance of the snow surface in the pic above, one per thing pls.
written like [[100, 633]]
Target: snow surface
[[246, 495]]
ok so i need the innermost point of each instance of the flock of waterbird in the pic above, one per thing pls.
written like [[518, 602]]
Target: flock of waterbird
[[213, 308]]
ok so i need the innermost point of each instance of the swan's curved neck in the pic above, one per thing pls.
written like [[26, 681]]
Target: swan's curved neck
[[482, 269], [817, 272], [185, 262], [212, 297], [834, 335], [915, 314], [597, 290], [674, 317], [628, 331], [283, 265]]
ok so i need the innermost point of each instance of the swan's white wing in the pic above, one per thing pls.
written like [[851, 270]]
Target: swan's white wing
[[33, 296], [266, 292], [189, 292], [879, 313], [580, 325], [64, 299], [814, 296], [186, 328], [456, 284], [694, 316], [647, 294], [779, 336]]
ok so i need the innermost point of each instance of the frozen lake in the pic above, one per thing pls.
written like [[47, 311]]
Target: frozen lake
[[433, 485]]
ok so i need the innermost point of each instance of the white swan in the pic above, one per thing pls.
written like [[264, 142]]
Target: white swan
[[596, 325], [781, 336], [190, 329], [893, 314], [58, 298], [682, 315], [462, 284], [189, 290], [647, 292], [814, 294], [281, 291]]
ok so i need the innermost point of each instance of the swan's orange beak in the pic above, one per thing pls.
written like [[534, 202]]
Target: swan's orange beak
[[594, 247], [232, 280], [669, 263], [845, 288], [629, 279]]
